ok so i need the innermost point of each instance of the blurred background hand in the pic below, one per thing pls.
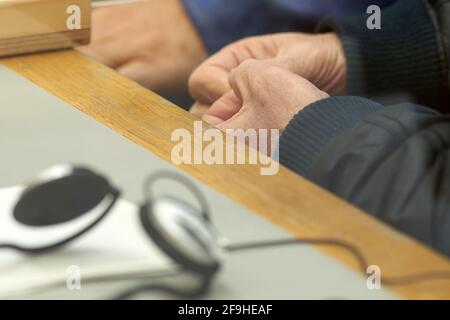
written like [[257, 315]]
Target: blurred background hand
[[152, 42], [318, 58], [263, 96]]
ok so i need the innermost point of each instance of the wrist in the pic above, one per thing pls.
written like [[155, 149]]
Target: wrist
[[184, 45], [194, 46]]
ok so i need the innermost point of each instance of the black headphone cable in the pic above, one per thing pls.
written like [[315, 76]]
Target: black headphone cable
[[354, 250]]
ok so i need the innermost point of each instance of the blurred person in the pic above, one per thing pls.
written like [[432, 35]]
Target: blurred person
[[392, 161], [158, 43]]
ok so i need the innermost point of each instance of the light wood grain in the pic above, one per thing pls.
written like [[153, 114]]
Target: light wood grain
[[44, 42], [285, 199], [38, 25]]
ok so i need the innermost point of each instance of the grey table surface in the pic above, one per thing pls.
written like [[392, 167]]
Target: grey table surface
[[38, 130]]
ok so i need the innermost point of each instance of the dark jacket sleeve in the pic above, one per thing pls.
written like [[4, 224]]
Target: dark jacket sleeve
[[408, 56], [393, 162], [221, 22]]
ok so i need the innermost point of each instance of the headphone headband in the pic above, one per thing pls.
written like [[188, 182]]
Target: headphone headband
[[165, 174]]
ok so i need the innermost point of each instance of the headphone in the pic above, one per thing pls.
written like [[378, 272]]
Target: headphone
[[76, 199], [183, 232]]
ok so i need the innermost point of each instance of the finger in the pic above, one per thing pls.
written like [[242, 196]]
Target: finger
[[212, 120], [199, 109], [223, 109], [240, 120], [154, 77], [208, 83], [210, 80], [158, 76], [99, 54]]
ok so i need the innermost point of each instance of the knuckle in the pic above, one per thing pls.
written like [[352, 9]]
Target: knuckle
[[245, 71], [248, 65]]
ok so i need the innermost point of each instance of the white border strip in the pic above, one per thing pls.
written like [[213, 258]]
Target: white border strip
[[99, 4]]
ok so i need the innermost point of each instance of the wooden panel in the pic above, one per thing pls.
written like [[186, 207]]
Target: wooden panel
[[285, 199], [37, 25]]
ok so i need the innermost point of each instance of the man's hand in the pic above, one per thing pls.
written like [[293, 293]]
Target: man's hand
[[317, 58], [151, 42], [263, 96]]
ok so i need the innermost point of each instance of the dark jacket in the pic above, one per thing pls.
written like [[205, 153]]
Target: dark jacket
[[392, 161], [220, 22]]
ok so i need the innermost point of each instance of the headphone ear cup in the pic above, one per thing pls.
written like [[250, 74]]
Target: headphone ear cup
[[183, 233]]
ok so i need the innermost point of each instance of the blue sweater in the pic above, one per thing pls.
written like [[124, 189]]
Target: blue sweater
[[220, 22]]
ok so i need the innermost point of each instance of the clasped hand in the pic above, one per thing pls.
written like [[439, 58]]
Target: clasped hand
[[263, 82]]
